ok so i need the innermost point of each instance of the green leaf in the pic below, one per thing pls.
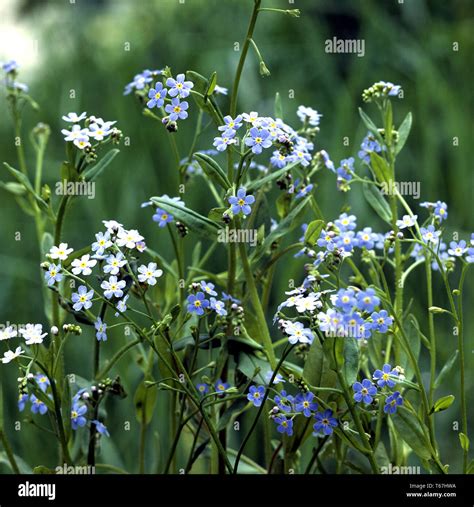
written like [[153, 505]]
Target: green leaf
[[43, 470], [96, 170], [376, 199], [409, 429], [464, 441], [350, 366], [403, 132], [370, 125], [212, 81], [313, 231], [248, 364], [412, 330], [23, 179], [196, 222], [316, 371], [145, 401], [231, 413], [205, 103], [379, 165], [446, 369], [14, 188], [442, 404], [213, 170], [22, 464], [284, 227], [278, 108], [470, 467]]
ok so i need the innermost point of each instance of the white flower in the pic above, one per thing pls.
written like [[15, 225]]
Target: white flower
[[308, 304], [76, 132], [74, 118], [114, 263], [100, 121], [9, 355], [112, 226], [82, 142], [82, 298], [407, 221], [33, 333], [7, 333], [308, 113], [113, 287], [129, 238], [149, 274], [103, 242], [98, 132], [60, 252], [83, 265]]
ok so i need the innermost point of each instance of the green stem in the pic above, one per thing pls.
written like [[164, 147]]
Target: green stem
[[462, 365], [429, 284], [254, 297], [9, 452], [243, 55]]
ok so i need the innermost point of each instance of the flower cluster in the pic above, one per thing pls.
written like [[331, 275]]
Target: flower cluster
[[386, 379], [381, 90], [11, 71], [94, 131], [32, 334], [219, 387], [203, 298]]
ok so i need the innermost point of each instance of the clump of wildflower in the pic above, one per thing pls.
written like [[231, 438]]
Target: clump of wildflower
[[380, 90]]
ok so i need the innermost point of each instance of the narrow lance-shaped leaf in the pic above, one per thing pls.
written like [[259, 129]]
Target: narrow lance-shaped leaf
[[375, 198], [213, 170], [403, 132], [96, 170]]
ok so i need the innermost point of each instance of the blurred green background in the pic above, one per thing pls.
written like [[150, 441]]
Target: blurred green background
[[82, 46]]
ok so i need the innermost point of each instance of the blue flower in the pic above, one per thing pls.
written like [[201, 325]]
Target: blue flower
[[384, 376], [308, 114], [278, 378], [284, 425], [297, 333], [429, 234], [179, 87], [326, 240], [53, 274], [157, 96], [10, 66], [367, 300], [258, 140], [441, 210], [256, 395], [346, 222], [365, 238], [208, 288], [345, 168], [364, 392], [304, 403], [346, 241], [392, 402], [220, 386], [22, 399], [197, 303], [328, 163], [202, 388], [325, 422], [101, 328], [369, 145], [457, 249], [37, 406], [381, 321], [304, 191], [345, 299], [228, 297], [162, 217], [218, 306], [284, 401], [241, 202], [101, 428], [141, 80], [231, 123], [77, 416], [279, 160], [42, 381], [177, 109], [82, 298], [227, 138]]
